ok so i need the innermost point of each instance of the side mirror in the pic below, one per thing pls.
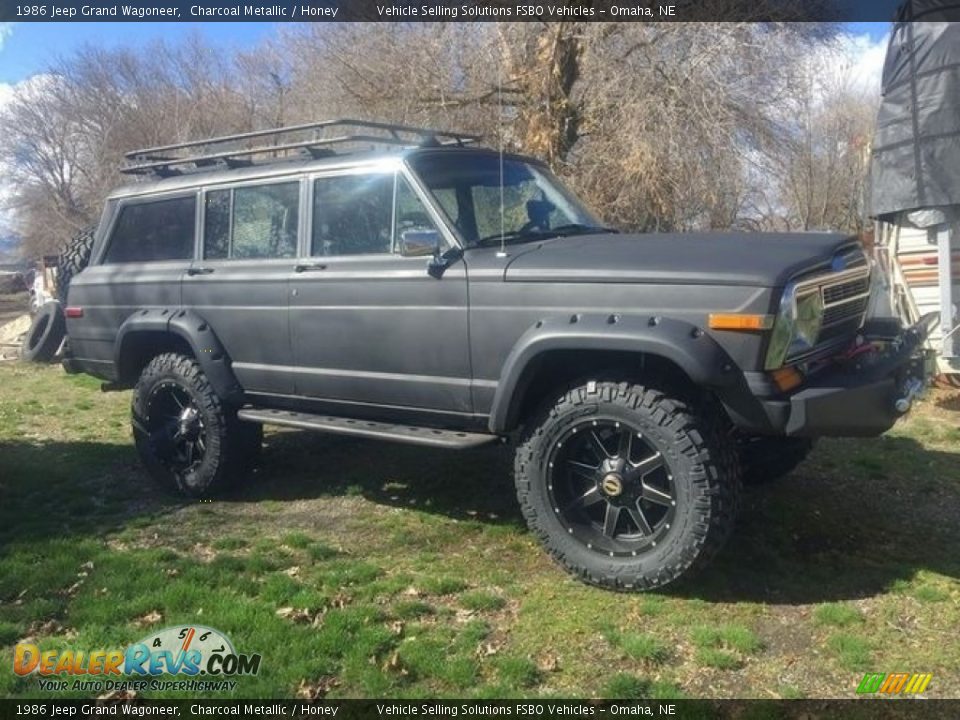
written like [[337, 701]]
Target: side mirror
[[420, 243]]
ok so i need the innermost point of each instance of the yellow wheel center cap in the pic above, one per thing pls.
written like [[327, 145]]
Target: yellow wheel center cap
[[612, 485]]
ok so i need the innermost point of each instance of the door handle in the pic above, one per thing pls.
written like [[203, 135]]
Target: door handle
[[309, 267], [199, 270]]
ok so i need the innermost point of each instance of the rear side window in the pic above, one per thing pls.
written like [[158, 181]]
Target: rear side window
[[154, 231], [259, 221]]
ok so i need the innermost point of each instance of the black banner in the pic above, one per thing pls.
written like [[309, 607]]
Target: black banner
[[534, 708], [446, 10]]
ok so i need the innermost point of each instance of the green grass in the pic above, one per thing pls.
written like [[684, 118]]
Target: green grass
[[443, 585], [852, 651], [228, 543], [733, 637], [298, 540], [624, 686], [836, 615], [930, 594], [518, 672], [384, 570], [640, 646], [716, 658], [407, 609], [480, 600]]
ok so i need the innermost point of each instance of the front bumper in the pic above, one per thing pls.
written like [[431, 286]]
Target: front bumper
[[861, 395]]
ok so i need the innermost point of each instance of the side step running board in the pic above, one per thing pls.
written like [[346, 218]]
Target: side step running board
[[366, 428]]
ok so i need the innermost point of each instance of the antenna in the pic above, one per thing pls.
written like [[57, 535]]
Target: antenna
[[503, 243]]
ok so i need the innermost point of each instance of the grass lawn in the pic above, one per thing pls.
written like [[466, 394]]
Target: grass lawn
[[365, 569]]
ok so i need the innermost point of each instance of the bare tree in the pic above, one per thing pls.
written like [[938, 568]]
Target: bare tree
[[66, 130], [818, 163], [654, 123], [660, 126]]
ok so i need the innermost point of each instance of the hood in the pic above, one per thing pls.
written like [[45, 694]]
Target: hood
[[749, 259]]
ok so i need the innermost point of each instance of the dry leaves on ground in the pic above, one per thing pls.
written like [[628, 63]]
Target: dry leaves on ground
[[318, 689], [151, 618]]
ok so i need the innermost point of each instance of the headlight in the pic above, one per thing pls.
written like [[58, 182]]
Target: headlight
[[797, 325]]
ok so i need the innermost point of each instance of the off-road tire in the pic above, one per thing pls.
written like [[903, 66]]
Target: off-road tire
[[766, 459], [228, 443], [695, 441], [74, 258], [45, 335]]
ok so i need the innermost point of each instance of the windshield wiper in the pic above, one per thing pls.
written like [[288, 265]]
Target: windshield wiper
[[509, 236], [578, 229], [560, 231]]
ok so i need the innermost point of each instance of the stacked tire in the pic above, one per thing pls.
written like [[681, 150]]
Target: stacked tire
[[74, 258], [45, 335], [49, 327]]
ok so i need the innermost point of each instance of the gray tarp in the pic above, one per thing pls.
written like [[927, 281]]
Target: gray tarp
[[916, 149]]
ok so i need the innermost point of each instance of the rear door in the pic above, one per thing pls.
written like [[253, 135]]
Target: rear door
[[370, 327], [240, 282], [149, 245]]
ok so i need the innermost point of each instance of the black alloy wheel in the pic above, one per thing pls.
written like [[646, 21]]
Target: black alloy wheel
[[175, 428], [188, 440], [611, 487], [628, 486]]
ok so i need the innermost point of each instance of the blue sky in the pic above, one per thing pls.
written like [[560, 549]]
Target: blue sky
[[875, 30], [28, 48]]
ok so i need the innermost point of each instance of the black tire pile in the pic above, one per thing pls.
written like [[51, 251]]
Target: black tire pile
[[49, 328]]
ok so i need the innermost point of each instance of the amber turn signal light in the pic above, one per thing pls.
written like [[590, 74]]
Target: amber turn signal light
[[740, 321]]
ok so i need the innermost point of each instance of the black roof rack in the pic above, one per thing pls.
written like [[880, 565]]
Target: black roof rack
[[211, 153]]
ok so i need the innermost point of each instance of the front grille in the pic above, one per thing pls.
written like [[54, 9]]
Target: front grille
[[845, 302], [845, 296], [845, 291]]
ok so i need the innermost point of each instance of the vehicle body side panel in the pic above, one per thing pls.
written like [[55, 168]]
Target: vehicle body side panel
[[246, 302], [109, 294], [195, 331], [504, 318], [379, 329]]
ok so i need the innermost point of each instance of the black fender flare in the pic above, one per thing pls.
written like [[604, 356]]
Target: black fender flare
[[196, 332], [704, 361]]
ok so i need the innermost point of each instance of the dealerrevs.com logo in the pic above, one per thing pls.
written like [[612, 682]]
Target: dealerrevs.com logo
[[185, 653]]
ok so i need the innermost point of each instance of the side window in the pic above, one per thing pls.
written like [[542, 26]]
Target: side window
[[411, 213], [447, 197], [352, 215], [265, 221], [153, 231], [258, 221], [216, 225]]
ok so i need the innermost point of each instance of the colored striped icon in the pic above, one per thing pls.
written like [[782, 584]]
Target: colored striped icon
[[894, 683]]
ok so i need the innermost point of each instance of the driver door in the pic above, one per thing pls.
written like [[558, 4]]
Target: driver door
[[370, 327]]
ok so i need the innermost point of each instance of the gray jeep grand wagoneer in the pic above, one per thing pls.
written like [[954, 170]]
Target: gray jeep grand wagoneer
[[430, 291]]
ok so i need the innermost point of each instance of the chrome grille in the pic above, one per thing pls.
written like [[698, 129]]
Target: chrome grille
[[842, 313], [845, 291], [845, 301], [845, 296]]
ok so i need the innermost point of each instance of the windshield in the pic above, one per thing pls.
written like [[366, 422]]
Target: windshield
[[535, 205]]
